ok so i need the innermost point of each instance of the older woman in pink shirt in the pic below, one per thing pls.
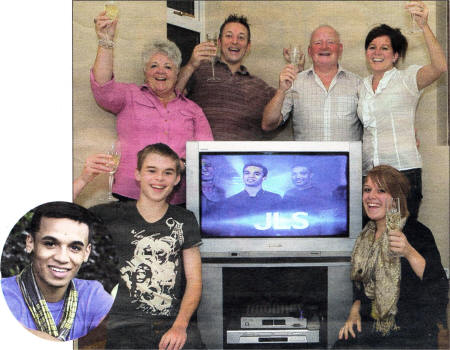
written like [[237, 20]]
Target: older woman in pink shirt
[[150, 113]]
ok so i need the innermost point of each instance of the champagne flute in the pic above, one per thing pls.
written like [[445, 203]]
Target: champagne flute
[[212, 37], [414, 28], [111, 9], [393, 216], [114, 152], [295, 57]]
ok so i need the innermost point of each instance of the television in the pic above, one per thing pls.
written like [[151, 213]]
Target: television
[[270, 199]]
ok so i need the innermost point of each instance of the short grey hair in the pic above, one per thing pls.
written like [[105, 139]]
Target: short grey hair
[[166, 47], [325, 26]]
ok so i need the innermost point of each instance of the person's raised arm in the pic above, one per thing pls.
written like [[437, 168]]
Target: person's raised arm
[[103, 65], [431, 72], [202, 52], [272, 117], [176, 336], [95, 164]]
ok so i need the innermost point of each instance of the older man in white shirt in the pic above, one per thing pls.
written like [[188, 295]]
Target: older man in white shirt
[[323, 100]]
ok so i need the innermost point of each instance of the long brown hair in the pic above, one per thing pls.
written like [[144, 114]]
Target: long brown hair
[[393, 182]]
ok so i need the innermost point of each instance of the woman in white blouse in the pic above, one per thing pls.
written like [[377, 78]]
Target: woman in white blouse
[[388, 99]]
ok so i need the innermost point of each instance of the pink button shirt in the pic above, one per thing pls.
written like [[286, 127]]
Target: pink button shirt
[[142, 120]]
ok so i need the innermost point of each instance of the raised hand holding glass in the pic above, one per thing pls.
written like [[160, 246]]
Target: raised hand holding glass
[[114, 152], [393, 217], [295, 58], [212, 37], [414, 28]]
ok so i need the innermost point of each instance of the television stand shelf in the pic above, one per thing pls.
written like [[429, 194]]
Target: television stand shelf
[[256, 304]]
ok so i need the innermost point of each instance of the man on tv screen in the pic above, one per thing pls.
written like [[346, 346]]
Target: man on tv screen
[[304, 194], [245, 213], [323, 212], [211, 193]]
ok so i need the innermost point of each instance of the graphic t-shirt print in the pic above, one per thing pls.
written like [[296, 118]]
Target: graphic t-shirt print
[[151, 273]]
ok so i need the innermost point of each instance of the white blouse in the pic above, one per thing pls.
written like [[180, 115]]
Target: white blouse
[[388, 117]]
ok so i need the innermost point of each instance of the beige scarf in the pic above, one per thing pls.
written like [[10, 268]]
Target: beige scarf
[[378, 270]]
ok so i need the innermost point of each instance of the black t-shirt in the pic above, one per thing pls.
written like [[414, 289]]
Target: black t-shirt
[[150, 257], [311, 199]]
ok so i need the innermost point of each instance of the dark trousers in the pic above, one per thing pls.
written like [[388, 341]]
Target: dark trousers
[[369, 339], [148, 335]]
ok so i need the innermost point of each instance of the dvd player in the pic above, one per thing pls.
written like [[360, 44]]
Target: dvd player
[[273, 322], [260, 336]]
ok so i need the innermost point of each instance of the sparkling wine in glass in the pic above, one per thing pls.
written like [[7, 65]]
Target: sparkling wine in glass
[[295, 56], [393, 214], [112, 11], [212, 37], [114, 152], [414, 28], [393, 217]]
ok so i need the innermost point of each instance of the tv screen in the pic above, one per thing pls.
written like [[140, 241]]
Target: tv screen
[[275, 199], [274, 194]]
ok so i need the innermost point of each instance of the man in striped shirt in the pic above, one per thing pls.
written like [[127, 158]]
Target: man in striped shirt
[[323, 99], [234, 103]]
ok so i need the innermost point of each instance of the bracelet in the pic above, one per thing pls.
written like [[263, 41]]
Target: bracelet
[[107, 44]]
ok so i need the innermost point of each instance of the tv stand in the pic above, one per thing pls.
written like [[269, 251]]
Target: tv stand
[[274, 304]]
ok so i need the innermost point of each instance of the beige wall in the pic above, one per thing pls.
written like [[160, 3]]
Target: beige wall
[[274, 25], [94, 128]]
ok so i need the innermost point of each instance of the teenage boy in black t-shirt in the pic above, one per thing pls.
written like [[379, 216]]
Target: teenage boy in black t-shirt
[[156, 243]]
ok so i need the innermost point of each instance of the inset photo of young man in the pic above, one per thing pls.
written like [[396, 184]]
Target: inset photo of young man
[[40, 262]]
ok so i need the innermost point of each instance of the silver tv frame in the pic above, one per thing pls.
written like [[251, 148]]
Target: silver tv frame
[[274, 247]]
